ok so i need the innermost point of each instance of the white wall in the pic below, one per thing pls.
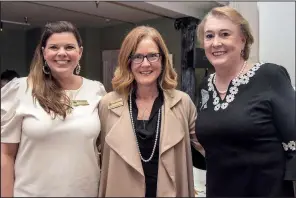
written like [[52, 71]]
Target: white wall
[[277, 34]]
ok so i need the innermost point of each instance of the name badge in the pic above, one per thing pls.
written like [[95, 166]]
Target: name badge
[[115, 104], [76, 103]]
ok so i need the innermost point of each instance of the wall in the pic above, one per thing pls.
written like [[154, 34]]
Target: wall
[[32, 40], [110, 38], [249, 11], [13, 46], [19, 46], [277, 34]]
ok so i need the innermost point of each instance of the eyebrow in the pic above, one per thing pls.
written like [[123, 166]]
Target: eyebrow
[[51, 44], [222, 30]]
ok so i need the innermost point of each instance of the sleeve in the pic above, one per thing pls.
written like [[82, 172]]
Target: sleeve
[[103, 115], [283, 108], [101, 89], [11, 119], [192, 120]]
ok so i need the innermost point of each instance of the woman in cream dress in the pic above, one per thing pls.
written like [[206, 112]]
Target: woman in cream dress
[[49, 123]]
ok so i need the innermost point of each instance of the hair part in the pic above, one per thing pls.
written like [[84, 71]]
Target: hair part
[[45, 88], [124, 79], [234, 16]]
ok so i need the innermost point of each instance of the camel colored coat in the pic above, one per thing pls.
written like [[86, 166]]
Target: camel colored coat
[[121, 169]]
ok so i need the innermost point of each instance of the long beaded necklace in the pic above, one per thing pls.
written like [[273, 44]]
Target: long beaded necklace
[[157, 131]]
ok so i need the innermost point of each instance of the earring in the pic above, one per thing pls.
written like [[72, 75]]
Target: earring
[[242, 53], [77, 70], [45, 68]]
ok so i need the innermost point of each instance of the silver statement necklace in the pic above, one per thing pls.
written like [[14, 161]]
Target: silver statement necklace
[[240, 79], [157, 131]]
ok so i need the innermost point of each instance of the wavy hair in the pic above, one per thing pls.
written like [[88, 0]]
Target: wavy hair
[[123, 79]]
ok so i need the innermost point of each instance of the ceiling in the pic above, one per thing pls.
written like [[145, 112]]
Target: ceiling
[[90, 13]]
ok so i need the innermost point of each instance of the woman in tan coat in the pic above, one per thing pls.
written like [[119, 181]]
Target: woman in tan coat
[[146, 124]]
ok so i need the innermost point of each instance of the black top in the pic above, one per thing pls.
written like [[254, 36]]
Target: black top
[[146, 132], [250, 145]]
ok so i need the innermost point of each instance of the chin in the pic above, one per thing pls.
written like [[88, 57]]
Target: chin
[[218, 62], [147, 83]]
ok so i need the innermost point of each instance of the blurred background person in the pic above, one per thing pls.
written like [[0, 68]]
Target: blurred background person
[[7, 76]]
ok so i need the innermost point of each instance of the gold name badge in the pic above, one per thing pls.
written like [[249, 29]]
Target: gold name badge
[[115, 104], [76, 103]]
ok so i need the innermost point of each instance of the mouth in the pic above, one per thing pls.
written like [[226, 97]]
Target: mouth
[[62, 62], [219, 53], [146, 73]]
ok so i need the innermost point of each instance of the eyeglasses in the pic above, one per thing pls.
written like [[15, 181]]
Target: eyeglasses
[[139, 58]]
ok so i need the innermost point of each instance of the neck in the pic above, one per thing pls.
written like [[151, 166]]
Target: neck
[[70, 83], [226, 74], [147, 93]]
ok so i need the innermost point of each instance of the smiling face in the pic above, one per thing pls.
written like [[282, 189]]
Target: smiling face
[[62, 53], [146, 72], [223, 41]]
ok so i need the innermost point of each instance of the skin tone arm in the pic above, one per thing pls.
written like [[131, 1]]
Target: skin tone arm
[[8, 154]]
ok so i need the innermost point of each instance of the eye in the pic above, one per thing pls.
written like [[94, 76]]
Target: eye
[[70, 47], [53, 47], [209, 36], [138, 56], [225, 34], [153, 55]]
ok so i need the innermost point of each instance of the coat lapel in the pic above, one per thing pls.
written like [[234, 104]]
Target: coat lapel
[[172, 134], [121, 137]]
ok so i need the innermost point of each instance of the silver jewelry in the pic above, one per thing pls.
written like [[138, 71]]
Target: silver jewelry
[[157, 131], [233, 90], [45, 68], [289, 146], [77, 69]]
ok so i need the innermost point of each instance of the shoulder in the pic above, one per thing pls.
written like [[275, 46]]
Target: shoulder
[[178, 95], [15, 86], [183, 95], [274, 69], [90, 82], [95, 85], [111, 97], [275, 72]]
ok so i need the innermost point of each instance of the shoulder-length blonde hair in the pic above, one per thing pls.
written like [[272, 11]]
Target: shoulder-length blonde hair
[[45, 88], [233, 15], [123, 79]]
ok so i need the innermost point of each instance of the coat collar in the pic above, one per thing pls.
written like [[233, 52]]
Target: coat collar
[[122, 140]]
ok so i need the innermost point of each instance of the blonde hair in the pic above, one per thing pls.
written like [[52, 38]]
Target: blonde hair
[[123, 79], [233, 15], [45, 88]]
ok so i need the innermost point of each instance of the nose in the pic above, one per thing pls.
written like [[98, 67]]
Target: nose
[[145, 62], [216, 42], [62, 52]]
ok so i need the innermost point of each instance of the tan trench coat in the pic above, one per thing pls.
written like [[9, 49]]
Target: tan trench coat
[[121, 169]]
